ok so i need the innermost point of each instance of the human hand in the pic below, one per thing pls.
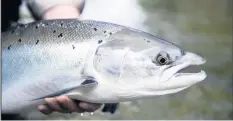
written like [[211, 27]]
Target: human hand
[[61, 12], [64, 104]]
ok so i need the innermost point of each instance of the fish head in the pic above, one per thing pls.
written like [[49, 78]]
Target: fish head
[[146, 64]]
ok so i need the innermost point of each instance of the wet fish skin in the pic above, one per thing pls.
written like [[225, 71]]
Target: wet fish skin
[[56, 57], [29, 51]]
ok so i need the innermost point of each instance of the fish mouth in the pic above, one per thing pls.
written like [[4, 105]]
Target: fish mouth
[[184, 71], [192, 69], [174, 78]]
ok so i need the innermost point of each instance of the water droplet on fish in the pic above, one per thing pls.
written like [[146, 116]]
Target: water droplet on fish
[[81, 114], [92, 113]]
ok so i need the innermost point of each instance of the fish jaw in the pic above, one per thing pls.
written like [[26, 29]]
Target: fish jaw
[[189, 59], [171, 81]]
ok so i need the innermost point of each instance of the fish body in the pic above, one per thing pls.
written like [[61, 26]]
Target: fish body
[[91, 61]]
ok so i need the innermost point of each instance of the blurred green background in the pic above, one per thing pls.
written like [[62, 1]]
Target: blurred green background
[[200, 26]]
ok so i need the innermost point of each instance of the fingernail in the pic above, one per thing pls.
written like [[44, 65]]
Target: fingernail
[[40, 107], [83, 105]]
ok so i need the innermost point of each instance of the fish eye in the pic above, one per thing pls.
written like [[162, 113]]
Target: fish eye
[[162, 58]]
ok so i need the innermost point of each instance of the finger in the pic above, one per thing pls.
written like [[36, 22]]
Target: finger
[[89, 107], [44, 109], [63, 104], [79, 109], [69, 104], [52, 102]]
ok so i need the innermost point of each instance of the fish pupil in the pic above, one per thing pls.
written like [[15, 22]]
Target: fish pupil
[[162, 60]]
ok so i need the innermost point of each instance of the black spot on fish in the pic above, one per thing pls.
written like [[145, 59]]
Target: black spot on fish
[[73, 46], [182, 52], [105, 31], [54, 31], [61, 24], [100, 41], [60, 35], [36, 26], [12, 31], [148, 41], [20, 40], [95, 29], [110, 33], [37, 41], [46, 24], [9, 47]]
